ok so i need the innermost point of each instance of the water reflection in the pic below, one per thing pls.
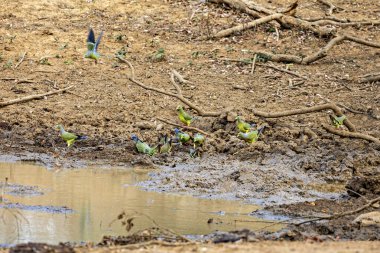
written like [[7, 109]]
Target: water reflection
[[96, 197]]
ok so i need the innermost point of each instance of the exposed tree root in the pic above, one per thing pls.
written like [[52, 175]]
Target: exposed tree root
[[318, 55], [350, 134], [260, 12], [368, 78], [338, 215], [180, 97], [201, 112], [32, 97], [246, 26], [305, 110]]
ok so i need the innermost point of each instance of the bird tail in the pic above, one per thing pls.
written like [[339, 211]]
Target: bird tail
[[194, 119], [82, 137]]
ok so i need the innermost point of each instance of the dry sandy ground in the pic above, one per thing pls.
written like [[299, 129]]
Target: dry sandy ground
[[108, 108], [259, 247]]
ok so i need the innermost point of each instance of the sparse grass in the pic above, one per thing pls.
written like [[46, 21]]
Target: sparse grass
[[44, 61], [8, 64], [122, 52], [159, 55]]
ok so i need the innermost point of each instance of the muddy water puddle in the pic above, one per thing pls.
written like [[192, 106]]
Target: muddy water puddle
[[79, 205]]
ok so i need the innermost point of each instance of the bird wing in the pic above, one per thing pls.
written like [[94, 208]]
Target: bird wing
[[98, 41], [334, 120], [91, 36], [68, 136], [186, 116]]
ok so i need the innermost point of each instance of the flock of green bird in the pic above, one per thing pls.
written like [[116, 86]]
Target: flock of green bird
[[247, 132]]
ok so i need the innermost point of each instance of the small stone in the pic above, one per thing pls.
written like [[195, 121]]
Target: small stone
[[231, 116], [368, 219], [145, 125], [159, 127]]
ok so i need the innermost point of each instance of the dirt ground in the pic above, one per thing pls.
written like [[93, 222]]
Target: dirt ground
[[294, 163]]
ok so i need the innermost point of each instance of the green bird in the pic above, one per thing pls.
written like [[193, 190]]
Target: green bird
[[198, 140], [242, 125], [165, 144], [92, 46], [143, 147], [181, 136], [337, 121], [184, 117], [68, 137], [251, 136]]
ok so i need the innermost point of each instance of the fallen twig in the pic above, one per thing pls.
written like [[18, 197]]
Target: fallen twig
[[185, 127], [305, 110], [32, 97], [21, 60], [253, 64], [368, 78], [246, 26], [338, 215], [350, 134], [180, 77], [318, 55], [179, 91]]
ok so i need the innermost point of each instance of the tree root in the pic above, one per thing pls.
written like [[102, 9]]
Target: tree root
[[261, 13], [179, 96], [350, 134], [246, 26], [369, 78], [305, 110], [32, 97], [201, 112], [318, 55], [338, 215]]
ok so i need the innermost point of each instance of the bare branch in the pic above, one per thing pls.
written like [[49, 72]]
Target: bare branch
[[32, 97], [351, 134], [253, 64], [305, 110], [338, 215], [246, 26], [180, 78], [368, 78], [318, 55], [21, 60], [179, 91]]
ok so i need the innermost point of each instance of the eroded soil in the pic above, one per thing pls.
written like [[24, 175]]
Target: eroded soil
[[294, 160]]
